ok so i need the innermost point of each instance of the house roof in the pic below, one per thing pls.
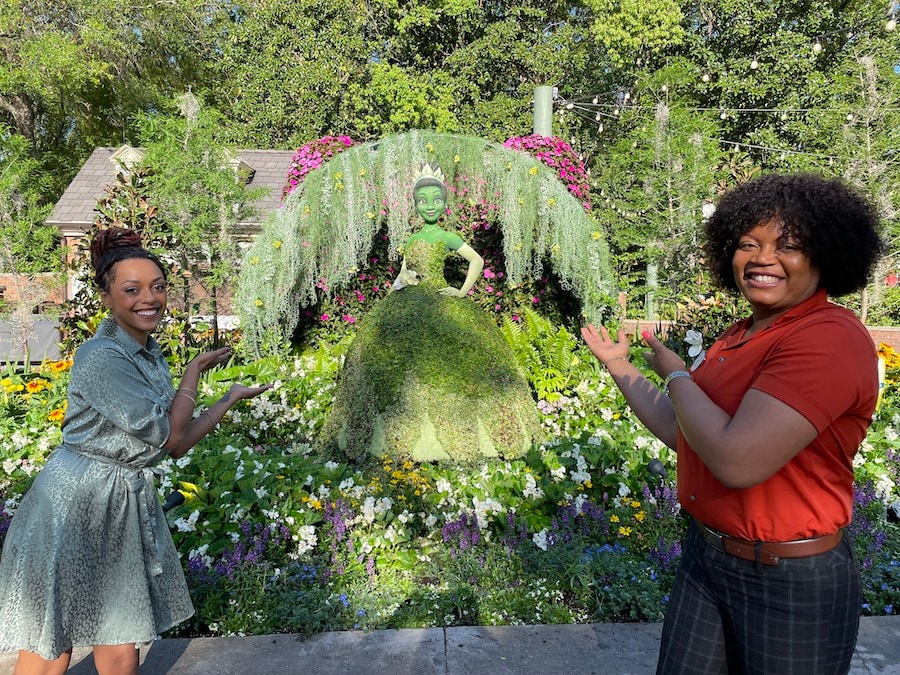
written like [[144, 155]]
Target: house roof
[[74, 212]]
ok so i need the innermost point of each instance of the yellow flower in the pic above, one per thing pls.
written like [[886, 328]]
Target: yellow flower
[[614, 518], [369, 214], [259, 302], [509, 166], [429, 147], [551, 201], [276, 243], [338, 175], [595, 234], [456, 159], [6, 382], [56, 415], [533, 171], [362, 172], [254, 260], [635, 504], [639, 516], [57, 367], [624, 531], [35, 386], [307, 210], [555, 248]]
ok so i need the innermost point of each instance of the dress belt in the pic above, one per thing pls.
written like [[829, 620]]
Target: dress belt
[[769, 552]]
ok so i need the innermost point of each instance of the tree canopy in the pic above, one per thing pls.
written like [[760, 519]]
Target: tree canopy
[[668, 101]]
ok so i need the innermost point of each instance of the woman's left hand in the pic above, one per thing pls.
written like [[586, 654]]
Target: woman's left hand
[[662, 359], [241, 391]]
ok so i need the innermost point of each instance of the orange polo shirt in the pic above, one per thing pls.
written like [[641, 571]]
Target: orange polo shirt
[[820, 360]]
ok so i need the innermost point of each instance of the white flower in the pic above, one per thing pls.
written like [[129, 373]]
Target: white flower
[[695, 339], [540, 539]]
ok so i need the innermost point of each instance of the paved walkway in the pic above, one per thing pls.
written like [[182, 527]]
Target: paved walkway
[[592, 649]]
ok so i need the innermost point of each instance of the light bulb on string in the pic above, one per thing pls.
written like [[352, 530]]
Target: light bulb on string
[[723, 115], [891, 25], [600, 128], [665, 89], [817, 47], [754, 64], [705, 77], [569, 106], [597, 117]]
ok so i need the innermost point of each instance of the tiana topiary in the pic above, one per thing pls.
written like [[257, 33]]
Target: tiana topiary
[[316, 244], [430, 377]]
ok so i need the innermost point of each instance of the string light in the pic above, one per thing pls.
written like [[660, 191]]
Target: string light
[[817, 47], [754, 64]]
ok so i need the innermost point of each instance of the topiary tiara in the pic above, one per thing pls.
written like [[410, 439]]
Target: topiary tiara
[[428, 173]]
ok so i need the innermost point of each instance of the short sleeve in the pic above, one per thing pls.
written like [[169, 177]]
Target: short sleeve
[[822, 370], [110, 381]]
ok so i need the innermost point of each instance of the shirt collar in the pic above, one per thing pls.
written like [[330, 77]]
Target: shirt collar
[[112, 330]]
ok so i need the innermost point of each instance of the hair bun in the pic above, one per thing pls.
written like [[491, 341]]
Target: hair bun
[[108, 239]]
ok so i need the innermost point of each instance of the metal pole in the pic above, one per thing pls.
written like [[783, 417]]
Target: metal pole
[[543, 110]]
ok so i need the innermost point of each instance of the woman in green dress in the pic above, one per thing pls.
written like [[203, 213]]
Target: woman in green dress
[[88, 559]]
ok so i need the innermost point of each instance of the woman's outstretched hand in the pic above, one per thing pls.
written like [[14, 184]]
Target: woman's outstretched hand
[[602, 345], [211, 359], [240, 391], [662, 359]]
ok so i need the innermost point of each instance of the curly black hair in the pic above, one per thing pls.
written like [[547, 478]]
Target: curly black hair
[[835, 226]]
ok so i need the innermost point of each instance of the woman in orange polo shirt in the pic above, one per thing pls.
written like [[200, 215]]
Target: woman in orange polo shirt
[[765, 428]]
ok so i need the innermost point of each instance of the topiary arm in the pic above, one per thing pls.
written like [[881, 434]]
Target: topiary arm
[[476, 264]]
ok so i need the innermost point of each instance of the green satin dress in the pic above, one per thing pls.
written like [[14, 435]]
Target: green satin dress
[[88, 558]]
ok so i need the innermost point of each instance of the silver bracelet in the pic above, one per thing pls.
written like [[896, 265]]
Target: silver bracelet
[[616, 358], [212, 424], [674, 375], [186, 394]]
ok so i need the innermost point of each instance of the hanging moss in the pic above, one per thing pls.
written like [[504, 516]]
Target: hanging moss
[[325, 229]]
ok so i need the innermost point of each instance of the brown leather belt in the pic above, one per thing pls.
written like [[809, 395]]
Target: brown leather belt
[[769, 552]]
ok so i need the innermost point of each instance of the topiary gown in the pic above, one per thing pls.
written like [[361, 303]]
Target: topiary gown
[[430, 377]]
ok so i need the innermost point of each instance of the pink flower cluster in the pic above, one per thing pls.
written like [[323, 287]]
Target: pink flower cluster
[[312, 156], [559, 156]]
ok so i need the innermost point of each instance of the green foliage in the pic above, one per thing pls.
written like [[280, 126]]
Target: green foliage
[[73, 74], [27, 246], [636, 27], [546, 353], [202, 196]]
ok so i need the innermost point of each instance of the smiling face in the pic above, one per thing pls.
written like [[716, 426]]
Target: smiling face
[[772, 271], [136, 297], [430, 203]]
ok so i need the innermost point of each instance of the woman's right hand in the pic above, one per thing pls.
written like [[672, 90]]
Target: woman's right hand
[[602, 345], [211, 359]]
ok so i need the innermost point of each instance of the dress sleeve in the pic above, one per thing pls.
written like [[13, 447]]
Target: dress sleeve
[[109, 380], [822, 370]]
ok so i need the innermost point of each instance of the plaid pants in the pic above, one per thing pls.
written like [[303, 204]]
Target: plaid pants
[[728, 615]]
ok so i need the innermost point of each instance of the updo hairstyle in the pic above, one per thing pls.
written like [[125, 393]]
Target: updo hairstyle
[[113, 245]]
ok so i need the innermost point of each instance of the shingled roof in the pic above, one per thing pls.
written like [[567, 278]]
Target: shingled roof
[[74, 212]]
